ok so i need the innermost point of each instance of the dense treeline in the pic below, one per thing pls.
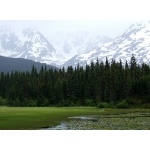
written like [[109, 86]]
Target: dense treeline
[[99, 83]]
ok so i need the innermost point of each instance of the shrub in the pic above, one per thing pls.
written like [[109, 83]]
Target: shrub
[[103, 105], [3, 102], [89, 102], [146, 105], [123, 104]]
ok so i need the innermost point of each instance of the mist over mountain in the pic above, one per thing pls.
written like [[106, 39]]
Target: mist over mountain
[[72, 43]]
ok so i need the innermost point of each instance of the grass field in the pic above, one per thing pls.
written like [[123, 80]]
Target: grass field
[[24, 118]]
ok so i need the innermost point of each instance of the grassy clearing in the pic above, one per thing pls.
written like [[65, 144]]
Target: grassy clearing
[[38, 117], [18, 118]]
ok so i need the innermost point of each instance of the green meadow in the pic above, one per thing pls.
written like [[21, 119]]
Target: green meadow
[[33, 118]]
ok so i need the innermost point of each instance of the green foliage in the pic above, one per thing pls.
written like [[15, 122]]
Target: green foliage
[[103, 105], [3, 102], [89, 102], [123, 104], [98, 82]]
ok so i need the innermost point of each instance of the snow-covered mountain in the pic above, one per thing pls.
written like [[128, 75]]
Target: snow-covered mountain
[[28, 43], [135, 40], [72, 43]]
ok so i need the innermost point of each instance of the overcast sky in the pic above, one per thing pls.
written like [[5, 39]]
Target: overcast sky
[[75, 9], [111, 28], [110, 17]]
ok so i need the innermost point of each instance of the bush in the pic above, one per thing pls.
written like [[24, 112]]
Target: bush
[[103, 105], [146, 105], [89, 102], [123, 104], [3, 102]]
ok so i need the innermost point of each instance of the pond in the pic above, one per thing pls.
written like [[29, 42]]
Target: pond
[[70, 125], [62, 126]]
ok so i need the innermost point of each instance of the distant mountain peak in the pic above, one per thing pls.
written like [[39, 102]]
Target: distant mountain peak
[[29, 44], [135, 40]]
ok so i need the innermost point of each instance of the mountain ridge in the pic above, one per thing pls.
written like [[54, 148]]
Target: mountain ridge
[[134, 41], [7, 65], [28, 44]]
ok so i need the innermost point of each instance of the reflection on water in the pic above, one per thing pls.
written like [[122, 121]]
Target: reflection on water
[[62, 126]]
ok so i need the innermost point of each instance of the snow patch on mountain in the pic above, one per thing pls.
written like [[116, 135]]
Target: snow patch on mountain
[[135, 40], [29, 44]]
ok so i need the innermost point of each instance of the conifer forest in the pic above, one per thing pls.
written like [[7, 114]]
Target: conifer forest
[[110, 83]]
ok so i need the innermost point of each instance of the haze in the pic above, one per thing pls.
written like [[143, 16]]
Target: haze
[[111, 28]]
